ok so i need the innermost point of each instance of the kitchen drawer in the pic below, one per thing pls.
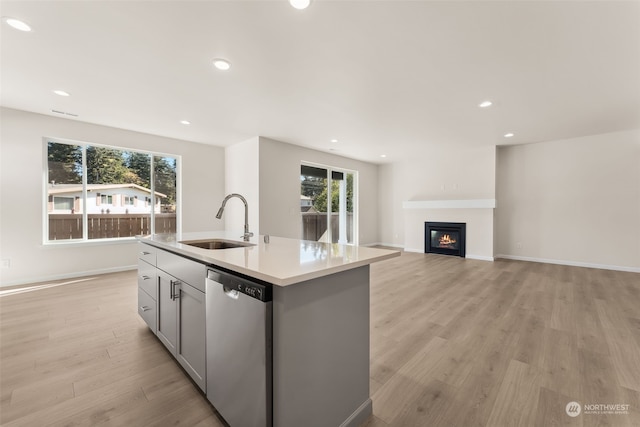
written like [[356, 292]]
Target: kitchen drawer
[[147, 278], [147, 310], [184, 269], [147, 253]]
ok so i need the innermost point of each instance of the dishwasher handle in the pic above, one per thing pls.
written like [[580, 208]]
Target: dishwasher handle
[[234, 285], [231, 293]]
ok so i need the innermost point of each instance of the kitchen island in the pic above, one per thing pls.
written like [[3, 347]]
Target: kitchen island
[[319, 318]]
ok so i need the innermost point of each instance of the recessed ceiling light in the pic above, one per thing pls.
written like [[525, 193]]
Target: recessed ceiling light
[[185, 122], [18, 24], [221, 64], [300, 4], [383, 155], [61, 92], [485, 104], [508, 135], [334, 140]]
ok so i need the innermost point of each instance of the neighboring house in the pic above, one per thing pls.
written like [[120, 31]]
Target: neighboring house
[[306, 204], [102, 198]]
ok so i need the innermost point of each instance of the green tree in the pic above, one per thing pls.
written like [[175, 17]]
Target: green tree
[[164, 172], [64, 163], [106, 166], [140, 165], [320, 202], [312, 186]]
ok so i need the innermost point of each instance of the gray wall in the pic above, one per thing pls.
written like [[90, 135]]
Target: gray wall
[[444, 173], [574, 201], [280, 189], [241, 176], [22, 195]]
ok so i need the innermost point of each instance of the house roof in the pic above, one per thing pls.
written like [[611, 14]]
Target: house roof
[[74, 188]]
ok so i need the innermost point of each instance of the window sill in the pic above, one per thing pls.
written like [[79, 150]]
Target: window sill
[[85, 243]]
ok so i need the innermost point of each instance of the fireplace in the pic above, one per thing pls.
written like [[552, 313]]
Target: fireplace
[[446, 238]]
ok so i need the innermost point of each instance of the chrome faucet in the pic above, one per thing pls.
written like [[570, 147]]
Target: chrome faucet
[[247, 233]]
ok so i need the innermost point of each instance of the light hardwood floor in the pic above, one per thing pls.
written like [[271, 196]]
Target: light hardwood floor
[[472, 343], [454, 342]]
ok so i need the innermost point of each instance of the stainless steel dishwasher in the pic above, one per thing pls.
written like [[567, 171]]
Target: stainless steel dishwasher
[[239, 349]]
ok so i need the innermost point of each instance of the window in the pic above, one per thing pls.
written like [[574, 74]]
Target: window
[[92, 192], [106, 199], [63, 203], [327, 204]]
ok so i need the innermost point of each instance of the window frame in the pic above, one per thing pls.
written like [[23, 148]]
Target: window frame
[[152, 199], [356, 205], [106, 199], [73, 199]]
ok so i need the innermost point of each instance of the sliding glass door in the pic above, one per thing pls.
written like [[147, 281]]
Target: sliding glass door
[[328, 204]]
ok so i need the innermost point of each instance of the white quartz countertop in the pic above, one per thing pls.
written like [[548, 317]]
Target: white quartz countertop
[[282, 261]]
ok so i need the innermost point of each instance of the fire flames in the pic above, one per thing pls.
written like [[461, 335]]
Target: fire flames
[[446, 240]]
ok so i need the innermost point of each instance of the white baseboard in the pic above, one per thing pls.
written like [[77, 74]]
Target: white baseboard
[[391, 245], [479, 257], [469, 256], [416, 250], [73, 275], [571, 263]]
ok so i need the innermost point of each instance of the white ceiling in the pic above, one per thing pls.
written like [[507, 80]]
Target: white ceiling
[[382, 77]]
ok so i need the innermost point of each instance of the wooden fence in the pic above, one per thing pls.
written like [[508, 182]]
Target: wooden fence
[[107, 226], [314, 225]]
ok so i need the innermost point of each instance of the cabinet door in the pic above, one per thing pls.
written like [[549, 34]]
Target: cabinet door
[[147, 253], [167, 310], [147, 279], [147, 310], [191, 350]]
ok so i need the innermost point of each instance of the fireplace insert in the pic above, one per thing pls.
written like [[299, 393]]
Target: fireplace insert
[[446, 238]]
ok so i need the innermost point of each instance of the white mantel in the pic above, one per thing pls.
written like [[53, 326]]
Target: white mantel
[[476, 213], [450, 204]]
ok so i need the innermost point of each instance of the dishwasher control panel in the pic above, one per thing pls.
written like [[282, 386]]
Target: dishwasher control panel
[[229, 281]]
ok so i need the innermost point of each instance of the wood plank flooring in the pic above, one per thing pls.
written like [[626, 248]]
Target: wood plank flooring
[[78, 354], [458, 342], [454, 342]]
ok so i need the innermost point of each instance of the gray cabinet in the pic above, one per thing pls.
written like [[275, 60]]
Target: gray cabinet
[[147, 278], [147, 310], [180, 300], [167, 311], [191, 343], [147, 286]]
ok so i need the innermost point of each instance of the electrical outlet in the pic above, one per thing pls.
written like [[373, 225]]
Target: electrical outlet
[[519, 245], [5, 263]]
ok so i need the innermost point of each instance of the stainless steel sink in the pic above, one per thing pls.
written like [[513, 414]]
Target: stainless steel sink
[[216, 244]]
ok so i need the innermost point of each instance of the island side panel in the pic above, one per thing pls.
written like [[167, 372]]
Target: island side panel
[[321, 351]]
